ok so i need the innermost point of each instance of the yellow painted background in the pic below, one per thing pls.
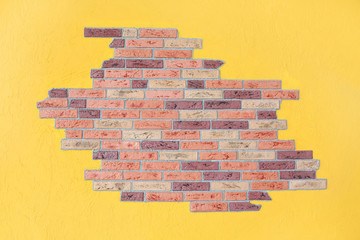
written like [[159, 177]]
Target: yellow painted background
[[312, 46]]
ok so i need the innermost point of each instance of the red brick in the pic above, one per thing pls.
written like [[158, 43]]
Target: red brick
[[97, 73], [238, 165], [152, 124], [181, 134], [142, 176], [267, 84], [127, 155], [53, 102], [133, 145], [144, 43], [280, 94], [73, 133], [102, 134], [120, 165], [86, 93], [209, 207], [182, 176], [102, 32], [160, 165], [164, 197], [165, 94], [218, 155], [116, 114], [161, 73], [94, 103], [151, 114], [74, 123], [111, 83], [235, 196], [260, 176], [212, 64], [237, 115], [157, 33], [103, 175], [223, 84], [203, 196], [123, 73], [183, 63], [273, 185], [117, 43], [144, 104], [132, 53], [268, 145], [258, 135], [199, 145], [165, 53], [58, 113], [113, 63]]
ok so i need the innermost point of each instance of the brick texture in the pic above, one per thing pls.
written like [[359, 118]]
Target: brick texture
[[167, 128]]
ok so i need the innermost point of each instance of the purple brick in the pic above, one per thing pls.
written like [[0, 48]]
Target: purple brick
[[276, 165], [102, 32], [297, 174], [191, 186], [213, 63], [78, 103], [58, 93], [117, 43], [200, 165], [266, 115], [89, 113], [229, 125], [221, 175], [139, 83], [144, 63], [259, 196], [97, 73], [191, 125], [294, 154], [114, 63], [132, 196], [243, 206], [222, 104], [242, 94], [107, 155], [195, 84], [183, 105], [160, 145]]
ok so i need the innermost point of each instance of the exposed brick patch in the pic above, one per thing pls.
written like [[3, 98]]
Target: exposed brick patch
[[167, 128]]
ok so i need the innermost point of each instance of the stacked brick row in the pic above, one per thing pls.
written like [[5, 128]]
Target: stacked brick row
[[167, 128]]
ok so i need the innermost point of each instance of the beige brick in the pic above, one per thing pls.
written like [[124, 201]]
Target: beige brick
[[129, 32], [115, 93], [167, 84], [276, 124], [221, 134], [260, 104], [114, 124], [151, 186], [229, 186], [178, 156], [198, 114], [203, 94], [237, 145], [308, 164], [141, 135], [317, 184], [112, 186], [256, 155], [207, 74], [79, 144], [183, 43]]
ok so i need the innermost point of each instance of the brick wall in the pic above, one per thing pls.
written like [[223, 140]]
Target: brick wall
[[166, 127]]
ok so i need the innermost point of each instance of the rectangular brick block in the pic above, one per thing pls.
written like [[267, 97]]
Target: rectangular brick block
[[218, 155], [158, 33], [161, 73], [259, 196], [89, 113], [199, 145], [237, 145], [260, 176], [74, 123], [229, 125], [276, 165], [160, 145], [222, 104], [183, 43], [235, 196], [318, 184], [167, 114], [141, 134], [269, 145], [58, 113], [219, 134], [206, 74], [129, 155], [113, 63], [160, 166], [120, 165], [139, 83], [219, 176], [142, 176], [102, 134], [77, 103], [167, 53], [94, 103], [295, 155], [151, 186], [203, 94], [239, 165], [191, 186], [131, 145], [164, 197], [181, 134], [270, 124], [242, 94], [183, 63], [111, 83], [182, 176], [269, 185], [297, 174], [191, 124], [243, 206], [186, 156], [111, 186], [256, 155], [132, 196], [79, 144], [229, 186], [152, 124], [58, 93], [308, 164], [144, 63], [195, 84], [117, 114], [164, 94], [260, 104], [280, 94], [113, 124], [198, 114], [183, 105], [209, 207], [106, 155], [70, 133], [53, 103], [237, 115], [123, 73], [266, 115], [97, 73], [129, 32], [254, 135], [103, 175], [167, 84], [200, 165], [102, 32], [224, 84], [145, 104], [266, 84], [144, 43], [133, 53], [86, 93], [203, 196]]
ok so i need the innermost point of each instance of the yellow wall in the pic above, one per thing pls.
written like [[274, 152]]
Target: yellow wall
[[312, 46]]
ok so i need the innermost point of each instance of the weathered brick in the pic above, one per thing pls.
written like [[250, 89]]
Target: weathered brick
[[258, 135], [237, 145], [297, 174], [183, 63], [95, 103], [128, 155], [259, 196], [117, 43], [164, 197], [270, 124], [224, 83], [229, 186], [142, 176], [133, 53], [318, 184], [198, 114], [160, 145], [294, 154], [161, 73], [145, 104], [53, 103], [160, 166], [157, 33], [102, 32], [203, 94], [103, 175], [276, 165], [183, 105], [121, 145], [89, 113], [183, 43], [106, 155], [200, 165], [218, 155], [151, 186], [58, 93], [260, 176], [124, 73], [111, 186], [203, 196], [166, 53], [97, 73], [152, 124], [120, 114], [141, 134], [207, 74], [242, 94], [132, 196], [167, 114], [260, 104], [111, 83], [266, 115], [195, 84], [266, 84], [182, 176], [70, 133], [164, 94], [139, 83], [218, 176], [101, 134], [268, 145], [113, 124], [199, 145], [235, 196], [219, 134], [115, 93], [222, 104], [238, 165], [113, 63], [229, 125], [58, 113], [209, 207], [256, 155], [243, 206], [167, 83], [191, 186], [191, 124], [144, 43], [74, 123], [181, 135], [78, 103], [120, 165], [86, 93], [280, 94], [178, 155], [269, 185]]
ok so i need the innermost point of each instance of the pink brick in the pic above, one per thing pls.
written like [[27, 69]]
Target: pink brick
[[160, 165], [142, 176], [165, 53], [86, 93], [258, 135], [70, 133], [183, 64], [280, 94], [161, 73], [144, 43], [273, 185], [120, 165], [258, 84], [281, 145], [182, 176], [164, 197], [94, 103], [260, 176], [235, 196], [218, 155], [203, 196], [152, 124], [144, 104], [111, 83], [58, 113], [123, 73], [138, 155], [157, 33], [131, 53], [223, 84], [199, 145], [103, 175], [53, 102], [237, 115], [74, 123], [181, 134], [209, 207], [165, 94], [166, 114], [102, 134], [238, 165], [133, 145], [116, 114]]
